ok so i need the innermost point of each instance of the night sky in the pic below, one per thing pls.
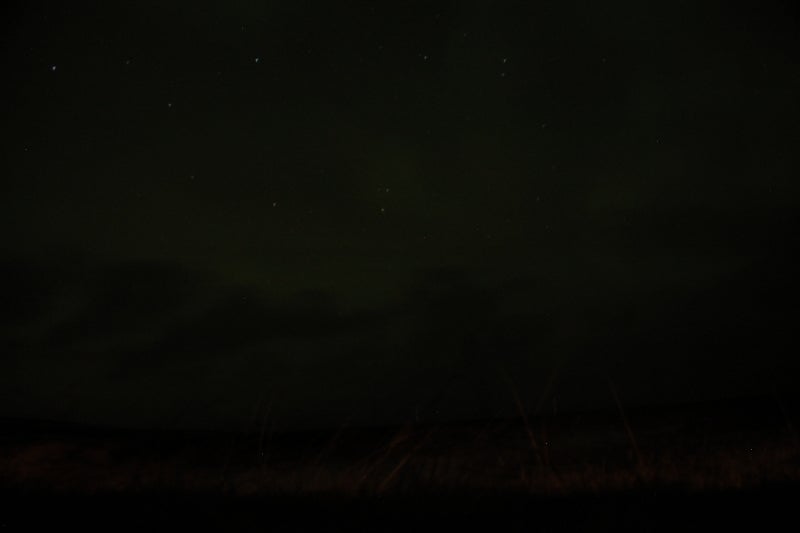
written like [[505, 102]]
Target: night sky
[[381, 212]]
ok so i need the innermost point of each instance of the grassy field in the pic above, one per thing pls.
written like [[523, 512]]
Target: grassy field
[[731, 462]]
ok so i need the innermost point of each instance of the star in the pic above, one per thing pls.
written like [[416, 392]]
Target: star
[[53, 68]]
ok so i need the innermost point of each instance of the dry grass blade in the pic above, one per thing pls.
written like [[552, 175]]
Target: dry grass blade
[[628, 429], [388, 479], [521, 408]]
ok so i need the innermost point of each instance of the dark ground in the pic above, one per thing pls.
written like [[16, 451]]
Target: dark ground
[[765, 509], [733, 464]]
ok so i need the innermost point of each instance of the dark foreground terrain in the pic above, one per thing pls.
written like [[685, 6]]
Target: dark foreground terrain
[[704, 466]]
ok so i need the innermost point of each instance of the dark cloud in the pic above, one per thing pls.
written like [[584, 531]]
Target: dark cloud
[[441, 349]]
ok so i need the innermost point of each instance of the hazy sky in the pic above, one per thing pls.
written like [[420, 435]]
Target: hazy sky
[[372, 211]]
